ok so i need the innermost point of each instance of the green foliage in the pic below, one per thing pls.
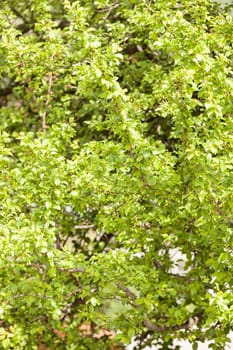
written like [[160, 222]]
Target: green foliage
[[116, 149]]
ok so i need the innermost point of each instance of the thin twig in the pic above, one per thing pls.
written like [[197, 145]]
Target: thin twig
[[80, 227], [41, 268], [43, 115], [109, 9], [30, 295], [78, 269]]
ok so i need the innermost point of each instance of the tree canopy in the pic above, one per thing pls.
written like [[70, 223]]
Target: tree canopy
[[116, 149]]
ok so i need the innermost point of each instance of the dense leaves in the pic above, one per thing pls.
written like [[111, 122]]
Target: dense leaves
[[115, 153]]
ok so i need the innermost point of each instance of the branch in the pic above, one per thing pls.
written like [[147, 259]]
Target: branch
[[109, 9], [30, 295], [63, 23], [184, 278], [66, 239], [19, 15], [78, 269], [128, 292], [49, 93], [192, 321], [41, 268], [81, 227]]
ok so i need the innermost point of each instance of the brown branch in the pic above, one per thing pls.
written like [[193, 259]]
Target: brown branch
[[109, 9], [127, 291], [42, 268], [16, 296], [19, 15], [184, 278], [66, 239], [192, 321], [49, 92], [81, 227], [58, 242], [68, 308], [186, 325], [78, 269], [62, 23]]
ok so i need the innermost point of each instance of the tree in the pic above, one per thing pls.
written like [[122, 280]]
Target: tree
[[116, 149]]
